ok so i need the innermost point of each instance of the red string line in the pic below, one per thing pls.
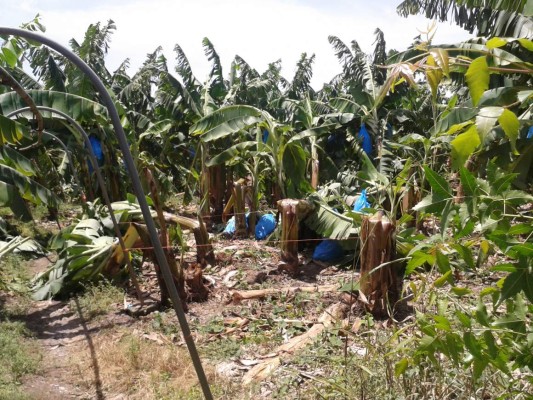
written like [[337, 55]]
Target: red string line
[[211, 216], [269, 242]]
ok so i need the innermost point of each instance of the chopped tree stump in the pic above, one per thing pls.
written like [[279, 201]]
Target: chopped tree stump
[[204, 249], [198, 291], [265, 368], [379, 276], [292, 211], [240, 194], [175, 268]]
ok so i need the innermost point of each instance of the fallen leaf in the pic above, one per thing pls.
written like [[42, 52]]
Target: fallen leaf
[[228, 281], [154, 337], [249, 363], [357, 325], [363, 298]]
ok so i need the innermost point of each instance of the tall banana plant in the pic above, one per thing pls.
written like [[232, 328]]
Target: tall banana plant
[[488, 18], [493, 120], [18, 175], [190, 99], [283, 150], [365, 86], [89, 114], [306, 115]]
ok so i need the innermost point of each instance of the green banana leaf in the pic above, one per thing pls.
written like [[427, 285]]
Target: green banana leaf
[[78, 108]]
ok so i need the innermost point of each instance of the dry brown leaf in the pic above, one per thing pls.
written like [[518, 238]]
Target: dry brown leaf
[[357, 325], [154, 337]]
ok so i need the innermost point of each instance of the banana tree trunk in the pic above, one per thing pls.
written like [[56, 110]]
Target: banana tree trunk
[[315, 165], [410, 198], [175, 268], [254, 199], [314, 173], [460, 193], [217, 191], [379, 278], [239, 210], [205, 209], [292, 211]]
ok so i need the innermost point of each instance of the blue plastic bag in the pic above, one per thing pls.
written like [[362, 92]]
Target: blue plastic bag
[[530, 133], [328, 250], [264, 136], [388, 132], [361, 202], [265, 226], [230, 226], [366, 141], [96, 147]]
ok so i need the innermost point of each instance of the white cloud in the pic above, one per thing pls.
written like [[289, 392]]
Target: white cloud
[[259, 31]]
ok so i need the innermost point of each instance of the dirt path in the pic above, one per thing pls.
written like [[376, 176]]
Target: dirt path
[[59, 332], [62, 331]]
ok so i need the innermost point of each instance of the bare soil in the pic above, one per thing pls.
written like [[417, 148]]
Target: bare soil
[[74, 367]]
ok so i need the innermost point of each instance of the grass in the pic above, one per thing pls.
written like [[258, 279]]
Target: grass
[[19, 352], [98, 299], [143, 369], [14, 275], [220, 350], [36, 229]]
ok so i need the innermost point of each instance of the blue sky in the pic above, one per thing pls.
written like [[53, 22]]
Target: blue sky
[[258, 31]]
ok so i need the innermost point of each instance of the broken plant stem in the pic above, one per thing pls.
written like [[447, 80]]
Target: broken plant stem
[[260, 293]]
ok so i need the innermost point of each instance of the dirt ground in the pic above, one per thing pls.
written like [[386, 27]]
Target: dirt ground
[[73, 344]]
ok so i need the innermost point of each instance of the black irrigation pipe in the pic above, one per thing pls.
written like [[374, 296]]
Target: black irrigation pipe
[[137, 187], [100, 180]]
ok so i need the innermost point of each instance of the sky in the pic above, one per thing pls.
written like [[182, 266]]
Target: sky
[[258, 31]]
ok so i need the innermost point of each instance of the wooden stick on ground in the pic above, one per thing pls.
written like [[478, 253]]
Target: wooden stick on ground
[[237, 296], [264, 369]]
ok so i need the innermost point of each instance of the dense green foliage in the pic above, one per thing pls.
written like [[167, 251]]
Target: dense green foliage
[[450, 133]]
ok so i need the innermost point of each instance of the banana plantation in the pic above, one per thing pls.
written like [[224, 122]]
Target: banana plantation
[[371, 239]]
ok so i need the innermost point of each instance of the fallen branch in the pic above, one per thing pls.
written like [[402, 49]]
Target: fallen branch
[[266, 367], [260, 293]]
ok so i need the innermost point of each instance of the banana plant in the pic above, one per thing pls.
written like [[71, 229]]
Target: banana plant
[[89, 114], [18, 176], [489, 18], [283, 149], [369, 88], [486, 122]]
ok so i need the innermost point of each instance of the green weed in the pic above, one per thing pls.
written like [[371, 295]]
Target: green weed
[[14, 279], [14, 274], [98, 299], [20, 356], [222, 349]]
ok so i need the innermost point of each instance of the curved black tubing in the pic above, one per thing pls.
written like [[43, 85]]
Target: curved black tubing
[[137, 187]]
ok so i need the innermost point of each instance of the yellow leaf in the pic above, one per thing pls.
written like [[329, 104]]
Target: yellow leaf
[[130, 238], [495, 42]]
